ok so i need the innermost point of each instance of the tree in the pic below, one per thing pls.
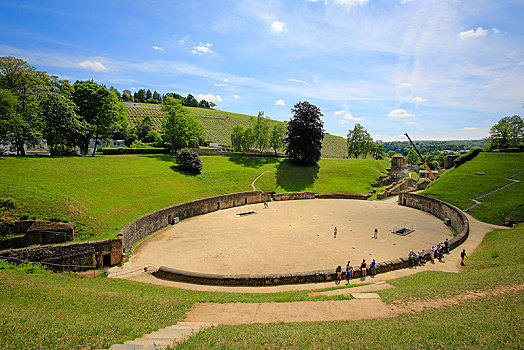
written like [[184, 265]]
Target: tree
[[242, 138], [60, 124], [507, 133], [25, 83], [116, 92], [140, 95], [181, 130], [8, 115], [149, 95], [305, 132], [98, 107], [156, 96], [203, 104], [261, 132], [191, 101], [359, 142], [212, 104], [189, 160], [277, 137], [412, 157], [144, 126], [377, 151], [391, 153]]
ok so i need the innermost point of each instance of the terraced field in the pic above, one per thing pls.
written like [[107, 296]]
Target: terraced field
[[219, 125]]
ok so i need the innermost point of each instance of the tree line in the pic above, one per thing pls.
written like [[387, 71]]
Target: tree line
[[35, 106], [146, 96]]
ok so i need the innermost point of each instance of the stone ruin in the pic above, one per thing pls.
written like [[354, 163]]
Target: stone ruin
[[399, 167]]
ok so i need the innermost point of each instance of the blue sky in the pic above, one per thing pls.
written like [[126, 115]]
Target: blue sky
[[438, 70]]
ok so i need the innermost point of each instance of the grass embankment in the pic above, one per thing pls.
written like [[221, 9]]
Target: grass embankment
[[493, 322], [459, 186], [101, 194], [219, 125], [43, 310]]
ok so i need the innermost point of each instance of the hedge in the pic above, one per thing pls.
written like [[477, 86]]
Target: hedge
[[122, 150], [467, 156]]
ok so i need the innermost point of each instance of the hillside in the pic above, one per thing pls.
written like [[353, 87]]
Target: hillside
[[101, 194], [484, 173], [219, 125]]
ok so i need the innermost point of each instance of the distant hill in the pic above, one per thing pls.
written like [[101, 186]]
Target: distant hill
[[219, 125], [424, 146]]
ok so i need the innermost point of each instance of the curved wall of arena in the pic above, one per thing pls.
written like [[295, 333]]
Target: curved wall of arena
[[145, 225], [150, 223]]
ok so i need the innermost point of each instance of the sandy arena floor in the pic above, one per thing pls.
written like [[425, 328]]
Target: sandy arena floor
[[290, 236]]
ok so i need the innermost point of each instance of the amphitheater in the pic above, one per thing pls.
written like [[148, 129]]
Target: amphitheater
[[290, 241]]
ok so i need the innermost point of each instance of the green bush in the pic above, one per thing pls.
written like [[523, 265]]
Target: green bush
[[7, 203], [122, 150], [467, 156], [188, 160]]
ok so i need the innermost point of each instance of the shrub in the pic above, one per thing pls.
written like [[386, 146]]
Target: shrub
[[121, 150], [188, 160], [7, 203], [467, 156]]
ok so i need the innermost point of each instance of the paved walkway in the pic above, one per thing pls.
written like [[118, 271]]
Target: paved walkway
[[255, 180]]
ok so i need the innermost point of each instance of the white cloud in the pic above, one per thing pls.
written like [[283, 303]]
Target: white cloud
[[278, 27], [96, 66], [219, 84], [495, 30], [280, 102], [158, 48], [209, 97], [405, 85], [351, 3], [235, 96], [399, 113], [470, 128], [410, 123], [202, 48], [342, 122], [339, 112], [299, 81], [405, 1], [473, 33], [348, 116], [418, 100]]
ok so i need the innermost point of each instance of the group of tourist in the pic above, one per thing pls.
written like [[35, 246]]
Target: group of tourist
[[363, 270], [437, 252]]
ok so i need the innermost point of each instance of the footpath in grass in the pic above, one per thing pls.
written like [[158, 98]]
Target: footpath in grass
[[459, 186], [101, 194], [44, 310], [489, 322]]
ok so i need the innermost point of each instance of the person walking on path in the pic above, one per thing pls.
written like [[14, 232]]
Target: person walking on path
[[349, 272], [446, 246], [375, 234], [462, 256], [339, 272], [335, 232], [363, 268]]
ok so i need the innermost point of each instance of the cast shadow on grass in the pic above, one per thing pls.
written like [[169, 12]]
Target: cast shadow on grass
[[176, 169], [253, 162], [293, 177], [161, 157]]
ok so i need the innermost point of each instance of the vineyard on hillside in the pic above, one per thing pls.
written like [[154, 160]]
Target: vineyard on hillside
[[219, 125]]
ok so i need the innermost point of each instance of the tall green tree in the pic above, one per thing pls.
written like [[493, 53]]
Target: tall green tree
[[377, 151], [305, 132], [242, 138], [140, 96], [157, 97], [261, 132], [25, 83], [276, 140], [359, 142], [181, 130], [98, 107], [507, 133], [60, 124], [191, 101], [149, 95], [412, 157]]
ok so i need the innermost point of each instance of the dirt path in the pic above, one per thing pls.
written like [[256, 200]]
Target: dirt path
[[333, 310], [255, 180]]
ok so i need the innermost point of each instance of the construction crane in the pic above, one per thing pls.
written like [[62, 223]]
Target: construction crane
[[422, 158]]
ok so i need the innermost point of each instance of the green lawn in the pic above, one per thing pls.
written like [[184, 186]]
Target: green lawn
[[459, 185], [493, 322], [101, 194]]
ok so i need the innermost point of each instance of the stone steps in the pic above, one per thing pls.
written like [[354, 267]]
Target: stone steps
[[165, 337]]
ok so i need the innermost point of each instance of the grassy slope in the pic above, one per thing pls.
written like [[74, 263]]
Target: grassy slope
[[458, 186], [219, 124], [106, 192], [44, 310], [494, 322]]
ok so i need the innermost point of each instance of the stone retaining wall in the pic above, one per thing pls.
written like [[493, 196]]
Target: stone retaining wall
[[362, 196], [77, 256], [433, 206], [34, 232], [288, 196], [142, 227]]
